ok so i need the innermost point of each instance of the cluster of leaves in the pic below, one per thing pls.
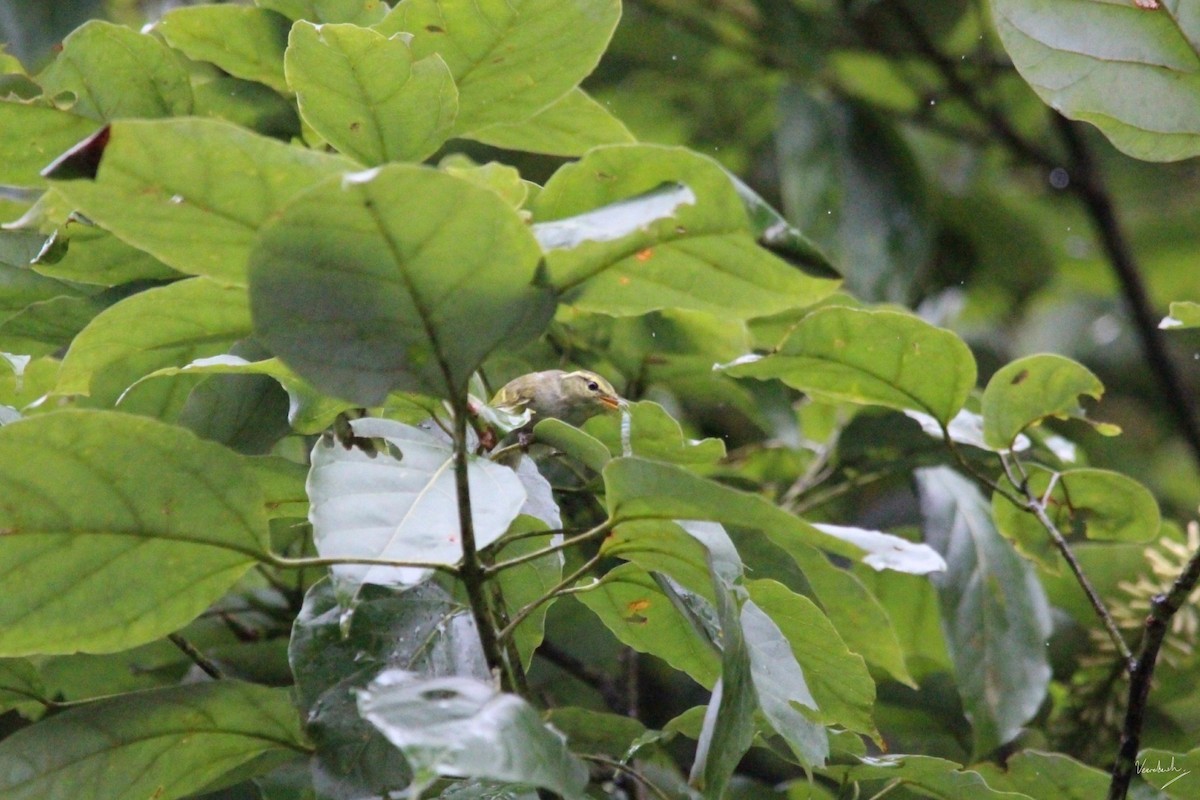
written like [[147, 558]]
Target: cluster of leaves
[[235, 229]]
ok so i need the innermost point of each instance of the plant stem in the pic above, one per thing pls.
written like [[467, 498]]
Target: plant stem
[[199, 659], [284, 562], [529, 608], [600, 530], [1162, 608], [472, 570]]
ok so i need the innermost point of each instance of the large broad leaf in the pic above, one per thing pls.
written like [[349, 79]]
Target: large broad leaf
[[931, 777], [163, 743], [652, 433], [194, 192], [460, 727], [1039, 774], [245, 42], [402, 507], [1030, 389], [994, 611], [334, 653], [882, 358], [114, 72], [1163, 769], [850, 182], [401, 277], [33, 137], [509, 58], [173, 324], [638, 489], [842, 689], [95, 500], [570, 126], [1133, 74], [89, 254], [19, 683], [698, 252], [1103, 504], [365, 95]]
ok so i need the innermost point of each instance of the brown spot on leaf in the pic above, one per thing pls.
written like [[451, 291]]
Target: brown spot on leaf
[[645, 255], [435, 29], [1020, 377]]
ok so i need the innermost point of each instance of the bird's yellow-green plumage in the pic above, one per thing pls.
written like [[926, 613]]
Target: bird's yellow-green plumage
[[572, 397]]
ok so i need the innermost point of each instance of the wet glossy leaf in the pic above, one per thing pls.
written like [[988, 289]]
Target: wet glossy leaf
[[365, 95], [401, 507], [194, 192], [175, 525], [245, 42], [994, 611], [463, 728], [701, 257], [114, 72], [1129, 72], [1030, 389], [882, 358], [163, 743], [401, 277], [498, 53]]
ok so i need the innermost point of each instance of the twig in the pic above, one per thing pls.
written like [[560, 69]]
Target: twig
[[199, 659], [628, 770], [285, 562], [600, 530], [1162, 608], [559, 589]]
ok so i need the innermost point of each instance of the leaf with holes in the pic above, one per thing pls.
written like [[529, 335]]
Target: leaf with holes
[[1029, 390]]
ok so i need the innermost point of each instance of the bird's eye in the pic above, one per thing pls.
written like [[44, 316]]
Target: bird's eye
[[593, 386]]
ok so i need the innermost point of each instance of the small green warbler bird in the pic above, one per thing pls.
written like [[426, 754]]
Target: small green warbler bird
[[572, 397]]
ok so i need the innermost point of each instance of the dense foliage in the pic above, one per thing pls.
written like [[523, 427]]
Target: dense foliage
[[868, 522]]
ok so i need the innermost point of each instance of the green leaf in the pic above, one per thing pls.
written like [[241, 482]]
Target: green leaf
[[1104, 505], [589, 731], [247, 413], [194, 192], [364, 94], [463, 728], [401, 277], [309, 412], [728, 728], [92, 255], [19, 683], [860, 618], [509, 58], [1031, 389], [172, 324], [654, 434], [334, 653], [638, 489], [994, 611], [33, 137], [403, 507], [1183, 315], [1133, 74], [248, 104], [115, 72], [100, 499], [589, 450], [931, 777], [842, 689], [162, 743], [779, 236], [664, 547], [884, 358], [361, 12], [1166, 771], [570, 126], [851, 183], [696, 252], [1039, 774], [630, 604], [502, 179], [528, 582], [247, 43]]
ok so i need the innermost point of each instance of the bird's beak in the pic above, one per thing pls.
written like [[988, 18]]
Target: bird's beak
[[612, 403]]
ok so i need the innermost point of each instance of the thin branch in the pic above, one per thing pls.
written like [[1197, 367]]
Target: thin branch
[[628, 770], [558, 590], [199, 659], [285, 562], [596, 532], [472, 571], [1162, 608]]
